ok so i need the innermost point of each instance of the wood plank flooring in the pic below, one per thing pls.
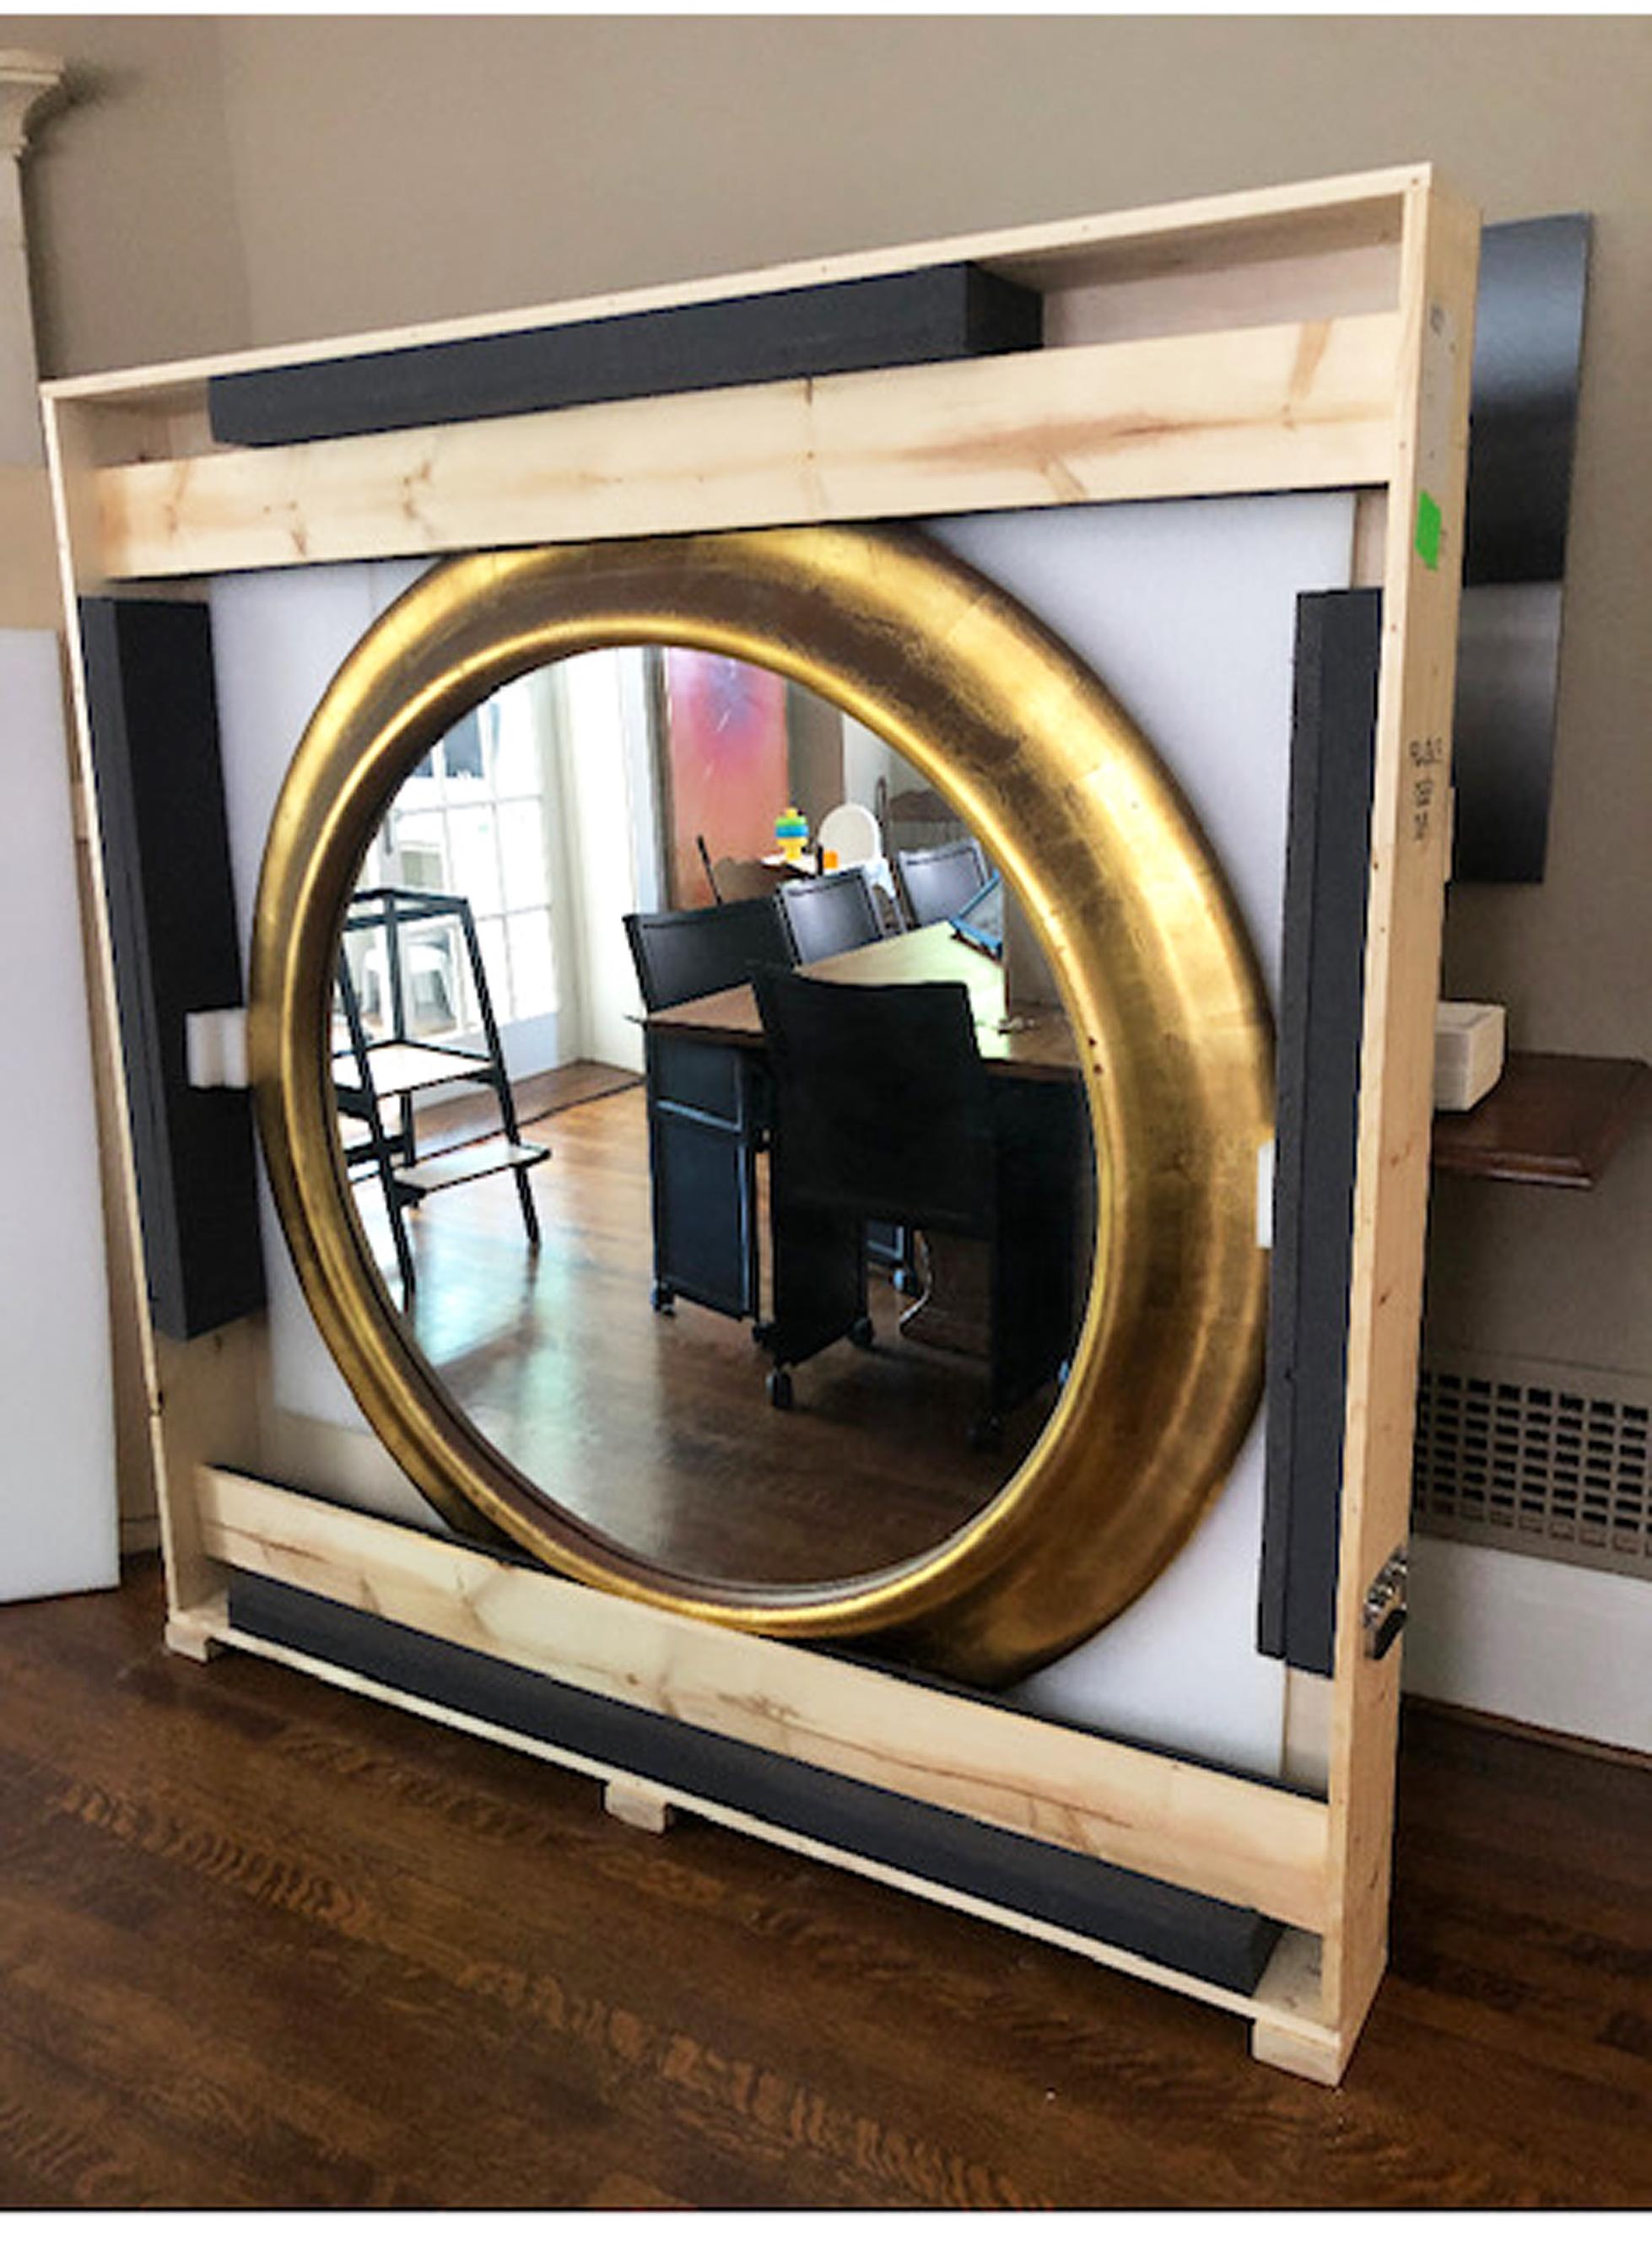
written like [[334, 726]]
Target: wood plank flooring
[[263, 1944], [656, 1429]]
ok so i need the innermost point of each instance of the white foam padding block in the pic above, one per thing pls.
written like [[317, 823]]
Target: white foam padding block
[[1470, 1037], [215, 1047]]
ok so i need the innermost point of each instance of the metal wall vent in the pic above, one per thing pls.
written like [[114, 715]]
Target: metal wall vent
[[1535, 1456]]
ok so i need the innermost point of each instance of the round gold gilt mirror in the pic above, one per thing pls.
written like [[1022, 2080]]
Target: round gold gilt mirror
[[849, 1063]]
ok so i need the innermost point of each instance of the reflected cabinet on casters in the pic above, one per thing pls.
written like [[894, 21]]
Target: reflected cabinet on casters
[[1305, 338]]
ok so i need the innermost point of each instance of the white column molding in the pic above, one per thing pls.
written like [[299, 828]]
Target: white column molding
[[28, 84], [28, 81]]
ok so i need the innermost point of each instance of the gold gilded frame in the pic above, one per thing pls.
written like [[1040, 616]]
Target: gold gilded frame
[[1170, 1017]]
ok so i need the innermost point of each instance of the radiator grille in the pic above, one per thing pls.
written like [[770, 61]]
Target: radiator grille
[[1548, 1460]]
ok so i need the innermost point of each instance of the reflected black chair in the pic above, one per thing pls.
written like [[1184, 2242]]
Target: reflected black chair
[[706, 1105], [825, 914], [840, 912], [883, 1109], [685, 954], [940, 882]]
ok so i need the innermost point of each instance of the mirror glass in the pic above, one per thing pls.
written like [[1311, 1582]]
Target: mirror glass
[[629, 1225]]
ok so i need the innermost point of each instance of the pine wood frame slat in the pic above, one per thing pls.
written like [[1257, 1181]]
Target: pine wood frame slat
[[1410, 849], [1298, 405], [1346, 394]]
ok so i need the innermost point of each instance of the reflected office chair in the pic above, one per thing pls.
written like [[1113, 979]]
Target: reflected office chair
[[825, 914], [883, 1109], [937, 883], [706, 1105]]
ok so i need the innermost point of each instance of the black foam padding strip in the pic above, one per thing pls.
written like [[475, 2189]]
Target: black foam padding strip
[[837, 328], [155, 745], [1322, 1012], [1225, 1945], [1522, 430], [1523, 414]]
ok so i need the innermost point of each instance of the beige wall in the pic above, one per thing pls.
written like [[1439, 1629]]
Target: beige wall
[[129, 194], [250, 180]]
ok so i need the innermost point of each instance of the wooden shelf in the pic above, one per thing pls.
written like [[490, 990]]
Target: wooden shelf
[[1552, 1121], [475, 1160]]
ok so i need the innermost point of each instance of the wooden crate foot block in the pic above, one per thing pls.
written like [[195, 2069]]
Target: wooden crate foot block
[[1223, 1946], [195, 1632], [639, 1806]]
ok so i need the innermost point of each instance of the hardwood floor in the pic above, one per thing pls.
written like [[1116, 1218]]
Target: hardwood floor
[[263, 1944], [656, 1429]]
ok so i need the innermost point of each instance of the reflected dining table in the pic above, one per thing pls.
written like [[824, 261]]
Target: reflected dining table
[[1034, 1043]]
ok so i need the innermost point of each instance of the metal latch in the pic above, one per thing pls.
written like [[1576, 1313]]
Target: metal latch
[[1383, 1614]]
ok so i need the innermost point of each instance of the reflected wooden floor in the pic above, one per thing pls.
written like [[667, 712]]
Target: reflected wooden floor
[[656, 1429]]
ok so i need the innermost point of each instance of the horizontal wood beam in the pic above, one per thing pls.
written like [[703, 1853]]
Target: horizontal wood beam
[[1297, 406], [1243, 1841]]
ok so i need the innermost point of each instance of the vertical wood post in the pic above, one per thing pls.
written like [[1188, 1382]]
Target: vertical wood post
[[1410, 847]]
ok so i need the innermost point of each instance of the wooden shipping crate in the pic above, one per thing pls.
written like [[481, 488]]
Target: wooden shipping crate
[[1314, 337]]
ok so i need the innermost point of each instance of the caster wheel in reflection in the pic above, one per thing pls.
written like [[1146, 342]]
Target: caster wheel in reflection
[[860, 1335], [780, 1390], [663, 1297]]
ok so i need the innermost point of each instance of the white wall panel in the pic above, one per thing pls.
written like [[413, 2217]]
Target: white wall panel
[[1531, 1639], [59, 1515]]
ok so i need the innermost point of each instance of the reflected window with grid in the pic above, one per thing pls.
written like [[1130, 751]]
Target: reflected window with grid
[[470, 818]]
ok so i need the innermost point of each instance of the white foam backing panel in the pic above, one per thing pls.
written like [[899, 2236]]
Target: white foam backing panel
[[60, 1528], [1187, 609], [278, 637]]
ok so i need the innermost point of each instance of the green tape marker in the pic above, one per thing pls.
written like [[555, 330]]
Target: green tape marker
[[1429, 523]]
